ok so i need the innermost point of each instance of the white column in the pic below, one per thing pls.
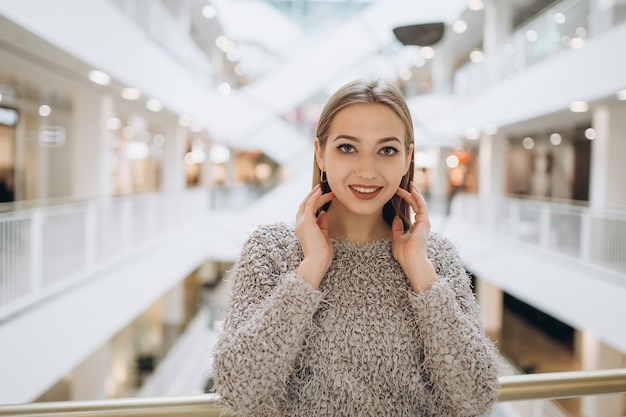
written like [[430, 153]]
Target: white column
[[607, 170], [442, 70], [498, 23], [173, 161], [440, 184], [490, 299], [91, 144], [491, 165], [597, 355], [173, 314], [88, 378]]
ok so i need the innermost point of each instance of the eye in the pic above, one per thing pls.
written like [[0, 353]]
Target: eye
[[346, 148], [388, 151]]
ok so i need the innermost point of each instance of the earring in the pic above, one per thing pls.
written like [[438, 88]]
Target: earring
[[323, 178]]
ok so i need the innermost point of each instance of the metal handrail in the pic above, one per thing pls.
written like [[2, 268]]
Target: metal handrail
[[562, 384], [512, 388]]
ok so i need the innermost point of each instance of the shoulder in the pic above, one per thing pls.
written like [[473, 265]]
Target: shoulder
[[271, 234], [269, 240], [444, 254], [441, 246]]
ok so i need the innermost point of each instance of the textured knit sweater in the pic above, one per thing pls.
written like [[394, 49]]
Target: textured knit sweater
[[364, 344]]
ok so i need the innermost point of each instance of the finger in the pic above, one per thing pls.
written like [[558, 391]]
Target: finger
[[324, 199], [317, 201], [302, 209], [408, 197], [421, 207], [397, 228], [322, 222], [316, 189]]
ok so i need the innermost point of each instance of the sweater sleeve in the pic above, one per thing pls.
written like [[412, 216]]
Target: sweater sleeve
[[268, 317], [461, 364]]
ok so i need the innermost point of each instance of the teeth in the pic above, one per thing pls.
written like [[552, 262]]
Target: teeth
[[365, 190]]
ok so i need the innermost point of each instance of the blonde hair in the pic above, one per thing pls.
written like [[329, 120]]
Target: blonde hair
[[370, 92]]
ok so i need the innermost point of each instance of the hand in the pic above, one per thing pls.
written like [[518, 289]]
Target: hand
[[409, 248], [312, 232]]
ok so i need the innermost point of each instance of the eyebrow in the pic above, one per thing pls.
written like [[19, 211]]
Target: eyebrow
[[379, 141]]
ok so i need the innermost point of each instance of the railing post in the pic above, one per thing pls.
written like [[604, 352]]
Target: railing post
[[91, 231], [586, 237], [514, 215], [36, 252], [544, 225]]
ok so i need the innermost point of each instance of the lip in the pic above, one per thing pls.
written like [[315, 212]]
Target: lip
[[365, 196]]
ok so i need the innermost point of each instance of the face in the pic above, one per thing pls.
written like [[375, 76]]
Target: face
[[365, 157]]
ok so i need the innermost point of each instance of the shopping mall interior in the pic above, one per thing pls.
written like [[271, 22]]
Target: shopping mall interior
[[141, 142]]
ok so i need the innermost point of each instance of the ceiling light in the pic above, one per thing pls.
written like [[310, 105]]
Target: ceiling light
[[114, 123], [154, 105], [137, 150], [221, 41], [621, 95], [477, 56], [196, 126], [452, 161], [99, 77], [240, 69], [528, 143], [531, 36], [559, 18], [224, 89], [209, 11], [555, 139], [577, 43], [219, 154], [158, 140], [131, 93], [0, 97], [232, 56], [129, 132], [490, 129], [578, 106], [405, 74], [184, 120], [472, 133], [475, 5], [44, 110], [459, 26], [590, 133], [427, 52], [565, 40]]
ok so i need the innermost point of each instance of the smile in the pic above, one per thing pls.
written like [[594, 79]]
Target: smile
[[365, 193]]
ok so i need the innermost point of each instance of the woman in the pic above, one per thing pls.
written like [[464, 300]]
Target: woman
[[357, 311]]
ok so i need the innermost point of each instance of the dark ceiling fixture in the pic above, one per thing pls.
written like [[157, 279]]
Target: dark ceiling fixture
[[423, 34]]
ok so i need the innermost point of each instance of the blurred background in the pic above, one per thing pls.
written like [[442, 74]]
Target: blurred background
[[141, 141]]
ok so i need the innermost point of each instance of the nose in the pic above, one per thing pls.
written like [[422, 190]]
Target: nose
[[366, 168]]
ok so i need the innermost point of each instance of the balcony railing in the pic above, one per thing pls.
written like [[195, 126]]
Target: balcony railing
[[512, 388], [589, 236], [44, 250], [562, 26]]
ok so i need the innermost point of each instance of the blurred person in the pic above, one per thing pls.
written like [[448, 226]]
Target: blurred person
[[358, 310]]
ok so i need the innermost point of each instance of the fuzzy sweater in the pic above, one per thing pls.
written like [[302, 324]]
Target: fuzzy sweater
[[364, 344]]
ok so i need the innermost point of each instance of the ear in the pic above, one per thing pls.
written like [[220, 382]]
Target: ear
[[409, 155], [318, 154]]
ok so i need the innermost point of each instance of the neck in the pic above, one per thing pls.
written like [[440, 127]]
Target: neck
[[356, 228]]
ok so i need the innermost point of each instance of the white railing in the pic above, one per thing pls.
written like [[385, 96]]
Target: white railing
[[591, 236], [565, 25], [46, 249]]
